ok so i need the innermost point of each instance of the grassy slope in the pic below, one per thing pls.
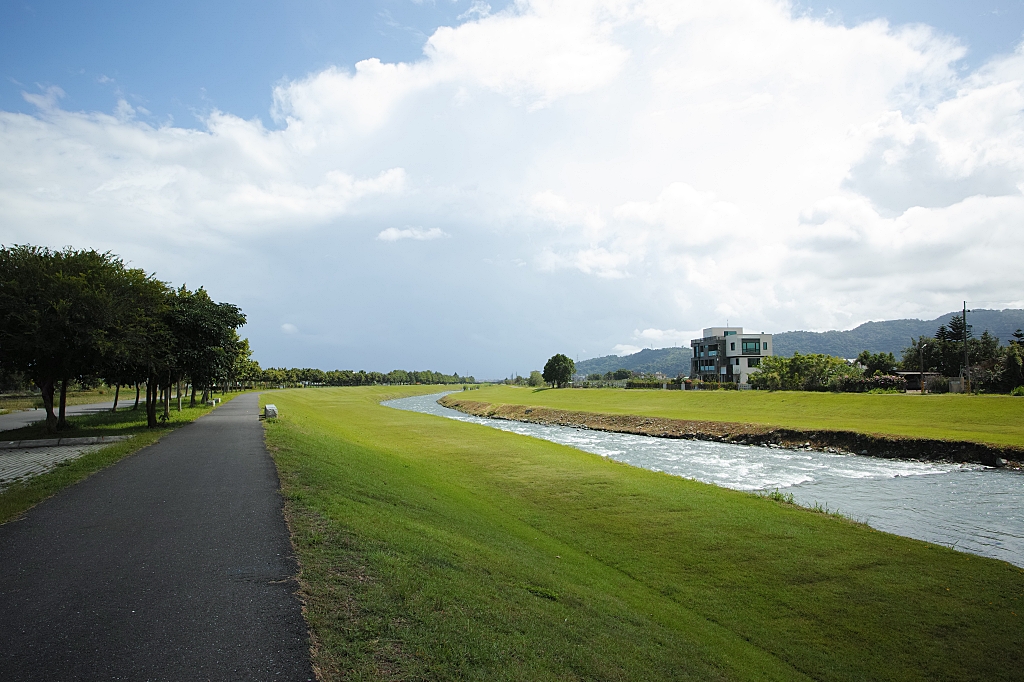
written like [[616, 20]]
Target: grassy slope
[[21, 496], [434, 549], [997, 419]]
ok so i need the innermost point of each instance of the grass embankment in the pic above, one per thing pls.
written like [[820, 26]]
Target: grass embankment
[[20, 496], [27, 402], [435, 549], [994, 419]]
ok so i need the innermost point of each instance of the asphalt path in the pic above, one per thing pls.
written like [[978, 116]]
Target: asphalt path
[[16, 420], [174, 564]]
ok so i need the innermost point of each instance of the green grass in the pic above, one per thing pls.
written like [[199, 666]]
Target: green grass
[[21, 496], [995, 419], [435, 549], [27, 402]]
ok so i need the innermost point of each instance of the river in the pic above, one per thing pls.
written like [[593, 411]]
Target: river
[[968, 507]]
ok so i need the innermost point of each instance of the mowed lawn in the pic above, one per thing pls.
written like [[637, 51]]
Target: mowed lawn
[[997, 419], [436, 549]]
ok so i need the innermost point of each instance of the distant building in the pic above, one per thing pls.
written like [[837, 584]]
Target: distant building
[[728, 354]]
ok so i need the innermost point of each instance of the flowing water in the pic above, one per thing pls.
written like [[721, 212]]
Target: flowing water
[[965, 506]]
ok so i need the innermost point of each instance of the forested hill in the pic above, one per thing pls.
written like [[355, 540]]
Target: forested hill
[[893, 335], [668, 361]]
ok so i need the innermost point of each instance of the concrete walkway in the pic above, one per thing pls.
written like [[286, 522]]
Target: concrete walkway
[[174, 564]]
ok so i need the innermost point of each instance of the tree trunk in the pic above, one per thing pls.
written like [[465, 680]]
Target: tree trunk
[[206, 394], [46, 387], [62, 422], [192, 403], [179, 395], [117, 392], [151, 395], [167, 399], [136, 396]]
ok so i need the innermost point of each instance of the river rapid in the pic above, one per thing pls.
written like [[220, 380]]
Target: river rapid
[[968, 507]]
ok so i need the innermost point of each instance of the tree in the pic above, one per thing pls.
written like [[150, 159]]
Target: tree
[[558, 370], [207, 343], [57, 317], [1013, 367], [813, 372], [877, 363], [536, 378]]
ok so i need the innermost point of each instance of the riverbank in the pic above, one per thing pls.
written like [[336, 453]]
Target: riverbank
[[436, 549], [646, 422]]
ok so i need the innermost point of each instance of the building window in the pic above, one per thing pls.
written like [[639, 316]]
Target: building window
[[751, 346], [753, 362], [732, 345], [730, 334], [764, 345]]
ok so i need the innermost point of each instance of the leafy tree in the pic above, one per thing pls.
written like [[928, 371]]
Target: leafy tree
[[813, 372], [558, 370], [536, 378], [877, 363], [1013, 367], [56, 317], [207, 343]]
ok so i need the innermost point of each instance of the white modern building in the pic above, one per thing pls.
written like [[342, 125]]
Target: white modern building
[[728, 354]]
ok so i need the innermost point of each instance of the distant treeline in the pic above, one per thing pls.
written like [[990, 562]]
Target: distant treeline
[[279, 376]]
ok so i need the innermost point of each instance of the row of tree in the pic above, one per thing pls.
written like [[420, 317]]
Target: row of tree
[[993, 368], [81, 316], [280, 376]]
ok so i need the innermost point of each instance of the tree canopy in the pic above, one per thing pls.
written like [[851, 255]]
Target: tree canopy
[[558, 370], [82, 315]]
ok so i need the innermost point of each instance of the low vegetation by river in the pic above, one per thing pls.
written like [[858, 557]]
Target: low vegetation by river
[[435, 549], [994, 419]]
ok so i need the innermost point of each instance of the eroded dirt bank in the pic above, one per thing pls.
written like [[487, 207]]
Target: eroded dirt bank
[[892, 447]]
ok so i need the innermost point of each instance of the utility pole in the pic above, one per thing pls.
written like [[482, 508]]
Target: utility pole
[[920, 350], [967, 359]]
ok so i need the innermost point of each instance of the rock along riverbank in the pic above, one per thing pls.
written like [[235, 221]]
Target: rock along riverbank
[[874, 445]]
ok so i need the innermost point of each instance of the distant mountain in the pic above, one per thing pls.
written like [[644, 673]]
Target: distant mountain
[[893, 336], [668, 361]]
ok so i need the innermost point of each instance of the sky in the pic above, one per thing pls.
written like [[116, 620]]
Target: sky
[[472, 188]]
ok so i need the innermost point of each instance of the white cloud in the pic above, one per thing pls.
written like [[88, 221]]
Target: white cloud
[[289, 328], [657, 164], [393, 234]]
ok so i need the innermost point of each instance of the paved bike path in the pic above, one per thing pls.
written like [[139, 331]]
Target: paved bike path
[[174, 564]]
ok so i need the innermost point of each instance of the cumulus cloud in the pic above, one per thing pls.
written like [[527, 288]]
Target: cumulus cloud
[[393, 234], [669, 164]]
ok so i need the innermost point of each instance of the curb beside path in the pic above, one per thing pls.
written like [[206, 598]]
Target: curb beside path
[[174, 564]]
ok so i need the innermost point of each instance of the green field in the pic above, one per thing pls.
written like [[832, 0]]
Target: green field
[[23, 495], [10, 403], [996, 419], [436, 549]]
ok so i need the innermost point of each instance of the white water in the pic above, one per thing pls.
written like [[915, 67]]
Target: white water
[[969, 507]]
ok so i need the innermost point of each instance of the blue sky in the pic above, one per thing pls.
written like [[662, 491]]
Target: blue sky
[[182, 59], [472, 188]]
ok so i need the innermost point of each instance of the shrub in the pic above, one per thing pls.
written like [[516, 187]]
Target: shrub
[[937, 385], [1019, 391], [645, 383], [881, 383]]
